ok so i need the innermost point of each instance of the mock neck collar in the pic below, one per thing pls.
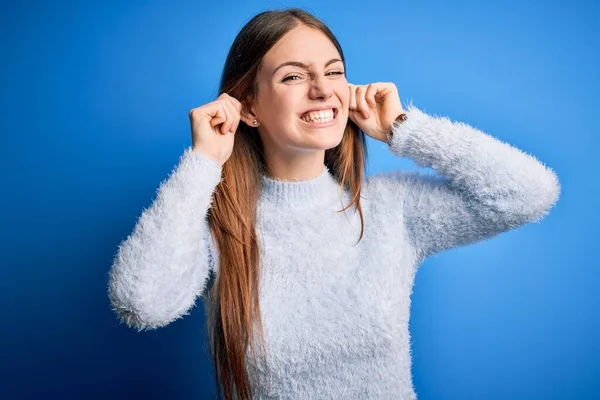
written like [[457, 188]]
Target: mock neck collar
[[300, 194]]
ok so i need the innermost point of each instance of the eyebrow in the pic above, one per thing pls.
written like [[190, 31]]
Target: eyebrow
[[301, 64]]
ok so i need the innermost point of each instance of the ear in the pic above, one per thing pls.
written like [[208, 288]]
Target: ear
[[247, 114]]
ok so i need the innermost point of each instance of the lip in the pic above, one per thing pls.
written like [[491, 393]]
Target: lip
[[320, 108], [322, 125]]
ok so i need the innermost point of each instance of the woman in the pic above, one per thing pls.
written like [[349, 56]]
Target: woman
[[250, 219]]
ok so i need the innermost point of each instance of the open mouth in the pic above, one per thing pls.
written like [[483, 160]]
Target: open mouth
[[324, 117]]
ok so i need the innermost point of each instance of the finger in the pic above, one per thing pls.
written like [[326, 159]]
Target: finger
[[228, 117], [238, 112], [361, 102], [236, 103], [235, 115], [209, 112], [352, 103], [218, 117], [227, 103], [370, 95], [217, 114], [236, 122], [384, 89]]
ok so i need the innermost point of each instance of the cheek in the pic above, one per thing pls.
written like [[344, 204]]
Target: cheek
[[285, 103], [343, 93]]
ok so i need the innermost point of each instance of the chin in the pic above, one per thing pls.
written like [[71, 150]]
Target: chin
[[321, 138], [327, 143], [335, 141]]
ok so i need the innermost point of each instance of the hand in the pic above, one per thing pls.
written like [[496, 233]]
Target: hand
[[213, 127], [374, 107]]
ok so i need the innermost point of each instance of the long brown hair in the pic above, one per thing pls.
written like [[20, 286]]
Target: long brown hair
[[232, 216]]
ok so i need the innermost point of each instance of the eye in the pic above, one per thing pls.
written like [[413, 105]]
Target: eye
[[298, 76], [291, 76]]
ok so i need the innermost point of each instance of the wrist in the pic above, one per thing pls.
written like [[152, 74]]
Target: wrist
[[399, 119], [207, 156]]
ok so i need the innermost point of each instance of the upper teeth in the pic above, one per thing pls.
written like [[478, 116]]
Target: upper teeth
[[320, 115]]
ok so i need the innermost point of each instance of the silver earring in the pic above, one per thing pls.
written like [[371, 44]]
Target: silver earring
[[255, 122]]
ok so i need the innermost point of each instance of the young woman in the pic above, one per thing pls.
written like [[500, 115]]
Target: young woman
[[272, 222]]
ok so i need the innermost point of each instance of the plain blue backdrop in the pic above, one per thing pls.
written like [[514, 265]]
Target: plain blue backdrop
[[94, 115]]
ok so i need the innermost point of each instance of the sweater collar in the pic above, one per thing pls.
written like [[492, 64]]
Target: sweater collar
[[300, 194]]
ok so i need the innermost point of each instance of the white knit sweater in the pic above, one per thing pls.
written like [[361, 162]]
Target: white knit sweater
[[335, 314]]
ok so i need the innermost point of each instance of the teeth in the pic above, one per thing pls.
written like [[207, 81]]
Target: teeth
[[319, 116]]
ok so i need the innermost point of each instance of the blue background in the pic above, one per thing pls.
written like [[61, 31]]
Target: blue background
[[94, 114]]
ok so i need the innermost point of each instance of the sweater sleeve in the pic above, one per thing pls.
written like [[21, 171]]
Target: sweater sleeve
[[163, 265], [483, 186]]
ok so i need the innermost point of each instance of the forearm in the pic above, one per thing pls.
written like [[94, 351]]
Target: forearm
[[504, 179], [160, 268], [483, 186]]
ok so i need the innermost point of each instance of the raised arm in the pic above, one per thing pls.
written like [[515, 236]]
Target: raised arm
[[483, 186], [163, 265]]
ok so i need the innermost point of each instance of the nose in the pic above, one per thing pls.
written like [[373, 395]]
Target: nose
[[320, 88]]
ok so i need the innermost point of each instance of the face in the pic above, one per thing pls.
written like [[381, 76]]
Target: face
[[287, 92]]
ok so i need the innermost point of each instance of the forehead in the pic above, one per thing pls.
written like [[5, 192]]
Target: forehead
[[304, 44]]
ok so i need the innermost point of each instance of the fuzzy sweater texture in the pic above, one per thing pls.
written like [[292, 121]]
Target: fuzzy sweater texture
[[335, 313]]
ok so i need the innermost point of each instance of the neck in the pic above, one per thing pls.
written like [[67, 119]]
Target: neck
[[301, 166]]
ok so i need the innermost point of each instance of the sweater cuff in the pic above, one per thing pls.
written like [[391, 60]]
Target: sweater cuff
[[402, 130], [195, 174]]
